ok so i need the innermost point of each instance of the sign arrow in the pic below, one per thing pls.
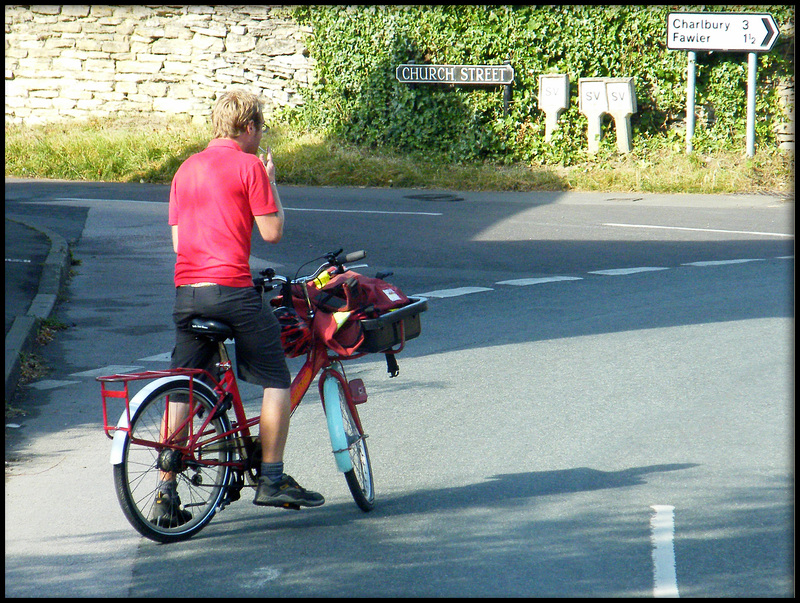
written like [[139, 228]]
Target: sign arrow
[[725, 32], [767, 41]]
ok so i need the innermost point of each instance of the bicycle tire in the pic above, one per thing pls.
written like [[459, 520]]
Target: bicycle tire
[[359, 476], [201, 488]]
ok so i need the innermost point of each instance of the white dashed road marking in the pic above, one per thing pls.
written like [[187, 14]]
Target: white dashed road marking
[[453, 292], [439, 293], [662, 530], [624, 271], [722, 262], [523, 282]]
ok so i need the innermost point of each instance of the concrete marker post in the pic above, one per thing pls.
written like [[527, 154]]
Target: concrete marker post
[[553, 100], [621, 99], [593, 103]]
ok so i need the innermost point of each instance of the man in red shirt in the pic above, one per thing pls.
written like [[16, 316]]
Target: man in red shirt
[[216, 197]]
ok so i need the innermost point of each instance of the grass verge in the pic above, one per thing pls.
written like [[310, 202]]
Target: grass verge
[[128, 151]]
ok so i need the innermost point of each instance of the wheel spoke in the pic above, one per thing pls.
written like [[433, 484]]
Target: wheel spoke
[[200, 487], [359, 478]]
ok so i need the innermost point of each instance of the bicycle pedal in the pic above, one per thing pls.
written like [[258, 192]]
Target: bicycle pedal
[[291, 506]]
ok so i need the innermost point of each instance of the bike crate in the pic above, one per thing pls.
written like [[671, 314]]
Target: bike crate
[[121, 381], [393, 328]]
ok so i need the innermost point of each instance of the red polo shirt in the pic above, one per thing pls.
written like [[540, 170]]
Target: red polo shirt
[[213, 198]]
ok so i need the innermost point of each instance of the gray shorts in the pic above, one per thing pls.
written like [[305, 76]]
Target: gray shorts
[[259, 355]]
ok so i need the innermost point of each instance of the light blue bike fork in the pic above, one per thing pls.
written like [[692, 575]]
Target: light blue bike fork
[[331, 399]]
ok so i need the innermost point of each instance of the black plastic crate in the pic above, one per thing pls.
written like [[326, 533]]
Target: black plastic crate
[[386, 332]]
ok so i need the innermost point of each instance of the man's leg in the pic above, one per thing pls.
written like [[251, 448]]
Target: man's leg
[[274, 425], [278, 489]]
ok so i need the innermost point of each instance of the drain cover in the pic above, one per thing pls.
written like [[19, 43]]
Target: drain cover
[[435, 197]]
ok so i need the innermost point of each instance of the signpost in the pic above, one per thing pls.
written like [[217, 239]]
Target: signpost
[[725, 32], [722, 32]]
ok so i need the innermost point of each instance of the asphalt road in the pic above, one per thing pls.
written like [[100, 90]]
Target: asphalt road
[[600, 403]]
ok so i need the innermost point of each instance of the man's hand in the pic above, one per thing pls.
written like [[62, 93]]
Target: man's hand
[[268, 163]]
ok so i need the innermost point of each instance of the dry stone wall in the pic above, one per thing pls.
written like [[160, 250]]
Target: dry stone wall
[[76, 61], [79, 62]]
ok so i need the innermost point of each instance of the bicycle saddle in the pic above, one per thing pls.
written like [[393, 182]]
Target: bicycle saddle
[[214, 329]]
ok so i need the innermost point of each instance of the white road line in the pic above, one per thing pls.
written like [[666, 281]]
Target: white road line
[[165, 357], [662, 530], [453, 292], [113, 369], [522, 282], [340, 211], [50, 384], [366, 211], [747, 232], [107, 200], [722, 262], [623, 271]]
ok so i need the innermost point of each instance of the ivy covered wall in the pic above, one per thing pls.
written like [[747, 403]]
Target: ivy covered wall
[[356, 95]]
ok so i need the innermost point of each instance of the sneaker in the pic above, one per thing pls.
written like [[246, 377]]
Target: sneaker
[[285, 492], [167, 511]]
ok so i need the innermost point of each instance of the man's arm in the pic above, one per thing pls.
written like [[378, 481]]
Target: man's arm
[[270, 226]]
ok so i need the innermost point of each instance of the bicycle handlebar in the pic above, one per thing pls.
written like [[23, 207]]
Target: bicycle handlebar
[[354, 256], [269, 280]]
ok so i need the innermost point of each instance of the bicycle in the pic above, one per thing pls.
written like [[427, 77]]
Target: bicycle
[[211, 453]]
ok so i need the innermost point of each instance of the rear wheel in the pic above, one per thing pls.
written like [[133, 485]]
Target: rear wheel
[[200, 487]]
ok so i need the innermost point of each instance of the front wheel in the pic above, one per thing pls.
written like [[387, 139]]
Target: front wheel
[[359, 476], [201, 477]]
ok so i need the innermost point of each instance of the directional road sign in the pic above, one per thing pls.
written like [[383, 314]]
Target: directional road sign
[[731, 32]]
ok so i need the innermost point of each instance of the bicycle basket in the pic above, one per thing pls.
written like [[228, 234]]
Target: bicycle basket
[[393, 328]]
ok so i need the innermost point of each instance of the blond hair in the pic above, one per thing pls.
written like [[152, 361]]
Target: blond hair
[[232, 111]]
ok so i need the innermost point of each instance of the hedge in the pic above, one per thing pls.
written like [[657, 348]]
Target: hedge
[[357, 97]]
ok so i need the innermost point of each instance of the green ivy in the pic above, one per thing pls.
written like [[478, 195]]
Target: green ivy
[[356, 96]]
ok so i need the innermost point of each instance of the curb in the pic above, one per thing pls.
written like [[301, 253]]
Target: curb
[[23, 330]]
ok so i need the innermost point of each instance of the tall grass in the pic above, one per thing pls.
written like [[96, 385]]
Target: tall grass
[[127, 151]]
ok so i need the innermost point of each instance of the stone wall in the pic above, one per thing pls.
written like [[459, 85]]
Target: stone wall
[[72, 61], [76, 62]]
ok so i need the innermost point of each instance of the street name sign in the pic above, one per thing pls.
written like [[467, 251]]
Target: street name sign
[[486, 75], [724, 32]]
